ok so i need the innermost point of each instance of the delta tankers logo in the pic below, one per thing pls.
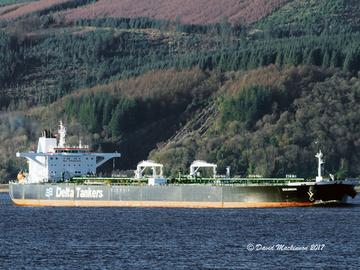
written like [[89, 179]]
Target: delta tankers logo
[[74, 193], [49, 192]]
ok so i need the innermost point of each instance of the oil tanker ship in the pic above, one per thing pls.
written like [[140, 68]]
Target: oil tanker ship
[[60, 175]]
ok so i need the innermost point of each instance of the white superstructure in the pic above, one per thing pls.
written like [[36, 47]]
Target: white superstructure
[[197, 164], [54, 161], [156, 168]]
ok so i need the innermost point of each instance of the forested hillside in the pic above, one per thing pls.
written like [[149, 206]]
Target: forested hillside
[[300, 17], [267, 122], [255, 94]]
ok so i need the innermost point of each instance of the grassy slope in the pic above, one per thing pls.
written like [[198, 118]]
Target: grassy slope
[[31, 7], [198, 12], [187, 11]]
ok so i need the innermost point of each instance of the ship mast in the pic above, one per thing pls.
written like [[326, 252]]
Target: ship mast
[[62, 135], [319, 156]]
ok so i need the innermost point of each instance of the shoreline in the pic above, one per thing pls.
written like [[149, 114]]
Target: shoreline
[[4, 188]]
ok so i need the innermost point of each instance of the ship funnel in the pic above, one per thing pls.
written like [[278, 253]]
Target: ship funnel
[[46, 133]]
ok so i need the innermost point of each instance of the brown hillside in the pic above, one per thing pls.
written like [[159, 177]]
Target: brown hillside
[[188, 11], [9, 8], [25, 9]]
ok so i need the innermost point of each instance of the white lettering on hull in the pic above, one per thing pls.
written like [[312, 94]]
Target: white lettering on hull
[[289, 189], [64, 192], [75, 193], [89, 193]]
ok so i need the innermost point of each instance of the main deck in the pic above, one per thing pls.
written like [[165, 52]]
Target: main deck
[[183, 180]]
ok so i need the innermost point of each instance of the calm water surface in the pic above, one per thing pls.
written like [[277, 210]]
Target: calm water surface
[[153, 238]]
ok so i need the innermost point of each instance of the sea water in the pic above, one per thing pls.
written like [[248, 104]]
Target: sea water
[[165, 238]]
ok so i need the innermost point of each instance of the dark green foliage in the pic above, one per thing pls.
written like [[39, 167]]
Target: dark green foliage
[[248, 106], [96, 111], [306, 105], [352, 60], [125, 23], [224, 27], [10, 54], [74, 61], [120, 115], [67, 61], [10, 2], [320, 17], [259, 128], [313, 50], [132, 120]]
